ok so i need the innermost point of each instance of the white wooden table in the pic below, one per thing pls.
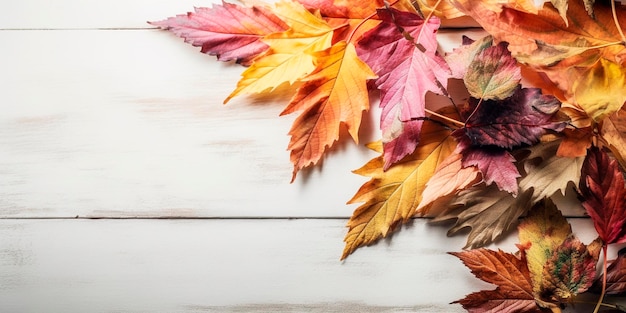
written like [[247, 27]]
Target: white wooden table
[[126, 186]]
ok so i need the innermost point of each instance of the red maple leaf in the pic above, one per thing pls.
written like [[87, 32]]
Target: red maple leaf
[[514, 292], [604, 193]]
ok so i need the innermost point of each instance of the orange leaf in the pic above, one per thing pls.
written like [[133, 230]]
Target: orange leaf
[[508, 272], [575, 142], [614, 133], [289, 57], [523, 30], [391, 196], [334, 94]]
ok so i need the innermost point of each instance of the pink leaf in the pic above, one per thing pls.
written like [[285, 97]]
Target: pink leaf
[[496, 165], [229, 31], [407, 70]]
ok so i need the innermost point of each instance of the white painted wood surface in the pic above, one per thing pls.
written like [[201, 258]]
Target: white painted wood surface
[[105, 117]]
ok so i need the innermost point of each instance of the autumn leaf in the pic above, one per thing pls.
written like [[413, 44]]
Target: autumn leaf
[[492, 74], [575, 142], [613, 132], [602, 187], [514, 292], [407, 70], [449, 177], [520, 119], [495, 164], [489, 212], [460, 58], [543, 230], [601, 90], [334, 94], [548, 173], [568, 272], [290, 56], [615, 277], [522, 30], [392, 196], [229, 31]]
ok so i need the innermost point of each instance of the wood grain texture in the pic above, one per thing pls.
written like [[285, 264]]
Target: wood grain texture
[[112, 123], [227, 266], [105, 117]]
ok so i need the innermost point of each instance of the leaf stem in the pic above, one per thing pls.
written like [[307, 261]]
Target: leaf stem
[[445, 118], [430, 14], [604, 271], [608, 45], [616, 20]]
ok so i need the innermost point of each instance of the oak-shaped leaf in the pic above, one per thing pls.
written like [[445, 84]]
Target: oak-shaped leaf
[[229, 31], [290, 54], [402, 51], [604, 193], [543, 230], [391, 197], [568, 272], [520, 119], [493, 74], [505, 270], [490, 212], [334, 94]]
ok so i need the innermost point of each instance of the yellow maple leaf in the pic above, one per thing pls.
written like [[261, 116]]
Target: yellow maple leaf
[[601, 90], [289, 57], [334, 94], [392, 196]]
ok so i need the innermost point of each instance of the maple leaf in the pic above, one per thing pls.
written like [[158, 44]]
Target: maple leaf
[[229, 31], [492, 74], [520, 119], [290, 56], [495, 164], [602, 187], [334, 94], [407, 70], [449, 177], [568, 272], [522, 30], [613, 131], [391, 196], [514, 292], [544, 230]]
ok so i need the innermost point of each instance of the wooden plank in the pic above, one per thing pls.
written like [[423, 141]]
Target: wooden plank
[[131, 123], [228, 266]]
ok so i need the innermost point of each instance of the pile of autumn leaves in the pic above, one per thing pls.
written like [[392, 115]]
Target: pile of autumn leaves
[[483, 161]]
